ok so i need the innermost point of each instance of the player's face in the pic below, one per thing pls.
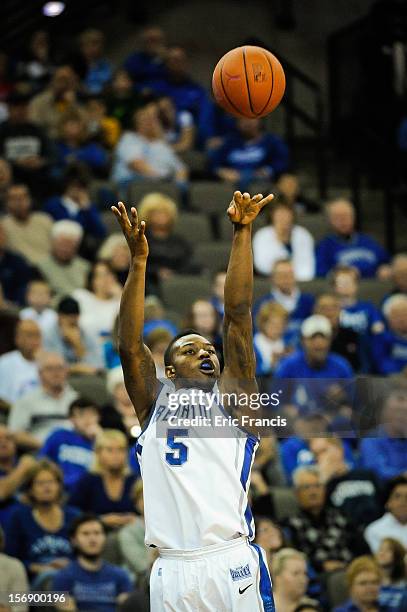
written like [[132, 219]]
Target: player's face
[[193, 357], [365, 588], [90, 539]]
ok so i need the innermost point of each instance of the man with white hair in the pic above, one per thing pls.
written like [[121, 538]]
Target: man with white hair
[[390, 347], [64, 270], [37, 413], [346, 246]]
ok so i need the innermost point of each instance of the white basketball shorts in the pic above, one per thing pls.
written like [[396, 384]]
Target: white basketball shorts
[[229, 577]]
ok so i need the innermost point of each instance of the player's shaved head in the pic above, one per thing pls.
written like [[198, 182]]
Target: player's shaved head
[[176, 342]]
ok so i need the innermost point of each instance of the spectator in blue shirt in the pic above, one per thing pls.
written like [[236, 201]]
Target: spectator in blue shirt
[[37, 534], [346, 246], [285, 292], [73, 145], [147, 64], [384, 450], [72, 449], [75, 203], [250, 154], [390, 347], [363, 578], [93, 585], [106, 489], [99, 70], [15, 272], [390, 558]]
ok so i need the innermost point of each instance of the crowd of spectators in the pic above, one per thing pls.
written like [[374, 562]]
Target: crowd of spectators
[[76, 132]]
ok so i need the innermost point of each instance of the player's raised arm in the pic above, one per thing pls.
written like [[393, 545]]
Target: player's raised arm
[[138, 365], [240, 363]]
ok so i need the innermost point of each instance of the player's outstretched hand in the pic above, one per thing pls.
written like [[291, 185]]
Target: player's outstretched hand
[[132, 230], [243, 209]]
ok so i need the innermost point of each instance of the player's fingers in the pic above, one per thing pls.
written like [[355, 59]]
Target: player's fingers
[[257, 198], [237, 196], [142, 228], [231, 210], [134, 217], [266, 200], [246, 196], [123, 213]]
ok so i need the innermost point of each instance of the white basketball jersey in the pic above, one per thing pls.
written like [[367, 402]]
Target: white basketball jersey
[[195, 485]]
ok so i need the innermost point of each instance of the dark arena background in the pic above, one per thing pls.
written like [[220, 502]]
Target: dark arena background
[[107, 101]]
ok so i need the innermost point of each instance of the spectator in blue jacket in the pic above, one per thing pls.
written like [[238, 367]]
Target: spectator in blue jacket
[[390, 347], [314, 373], [384, 450], [99, 69], [285, 292], [72, 449], [147, 64], [75, 203], [250, 154], [346, 246], [73, 145]]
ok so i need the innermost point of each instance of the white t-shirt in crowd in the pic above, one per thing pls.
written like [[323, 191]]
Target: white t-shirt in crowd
[[267, 249], [385, 527], [97, 316], [45, 319], [17, 376]]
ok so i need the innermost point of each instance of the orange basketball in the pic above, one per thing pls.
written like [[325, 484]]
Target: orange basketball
[[248, 82]]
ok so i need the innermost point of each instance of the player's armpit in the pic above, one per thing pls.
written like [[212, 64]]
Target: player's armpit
[[140, 379]]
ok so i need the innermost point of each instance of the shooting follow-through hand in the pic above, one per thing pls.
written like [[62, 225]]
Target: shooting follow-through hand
[[243, 209], [132, 230]]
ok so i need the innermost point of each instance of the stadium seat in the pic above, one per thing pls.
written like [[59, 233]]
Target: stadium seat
[[92, 387], [374, 290], [138, 189], [316, 286], [210, 196], [194, 227], [112, 552], [336, 588], [284, 502], [316, 224], [212, 256], [261, 287], [196, 161], [180, 291]]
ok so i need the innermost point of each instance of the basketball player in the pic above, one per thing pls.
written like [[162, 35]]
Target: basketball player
[[195, 485]]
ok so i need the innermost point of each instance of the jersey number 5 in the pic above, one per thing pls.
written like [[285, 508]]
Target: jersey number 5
[[179, 453]]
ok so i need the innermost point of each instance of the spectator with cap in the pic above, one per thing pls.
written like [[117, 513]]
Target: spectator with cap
[[390, 557], [283, 238], [28, 232], [18, 368], [384, 450], [142, 152], [60, 97], [361, 316], [249, 154], [34, 415], [346, 246], [314, 373], [147, 64], [14, 471], [13, 579], [71, 447], [64, 270], [15, 271], [98, 68], [285, 291], [363, 580], [24, 144], [38, 309], [390, 347], [80, 348], [92, 583], [393, 524], [354, 491], [320, 531]]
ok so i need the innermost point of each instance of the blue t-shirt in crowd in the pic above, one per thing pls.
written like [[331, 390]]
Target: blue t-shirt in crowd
[[392, 596], [89, 495], [307, 386], [71, 451], [303, 309], [15, 273], [246, 156], [349, 606], [389, 353], [99, 73], [93, 591], [89, 218], [144, 67], [360, 251], [29, 542], [91, 153], [361, 316], [385, 456]]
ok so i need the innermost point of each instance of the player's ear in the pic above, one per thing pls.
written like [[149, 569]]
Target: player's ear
[[170, 371]]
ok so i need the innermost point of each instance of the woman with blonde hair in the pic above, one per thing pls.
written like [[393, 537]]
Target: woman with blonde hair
[[168, 252], [290, 579], [115, 252], [105, 490]]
